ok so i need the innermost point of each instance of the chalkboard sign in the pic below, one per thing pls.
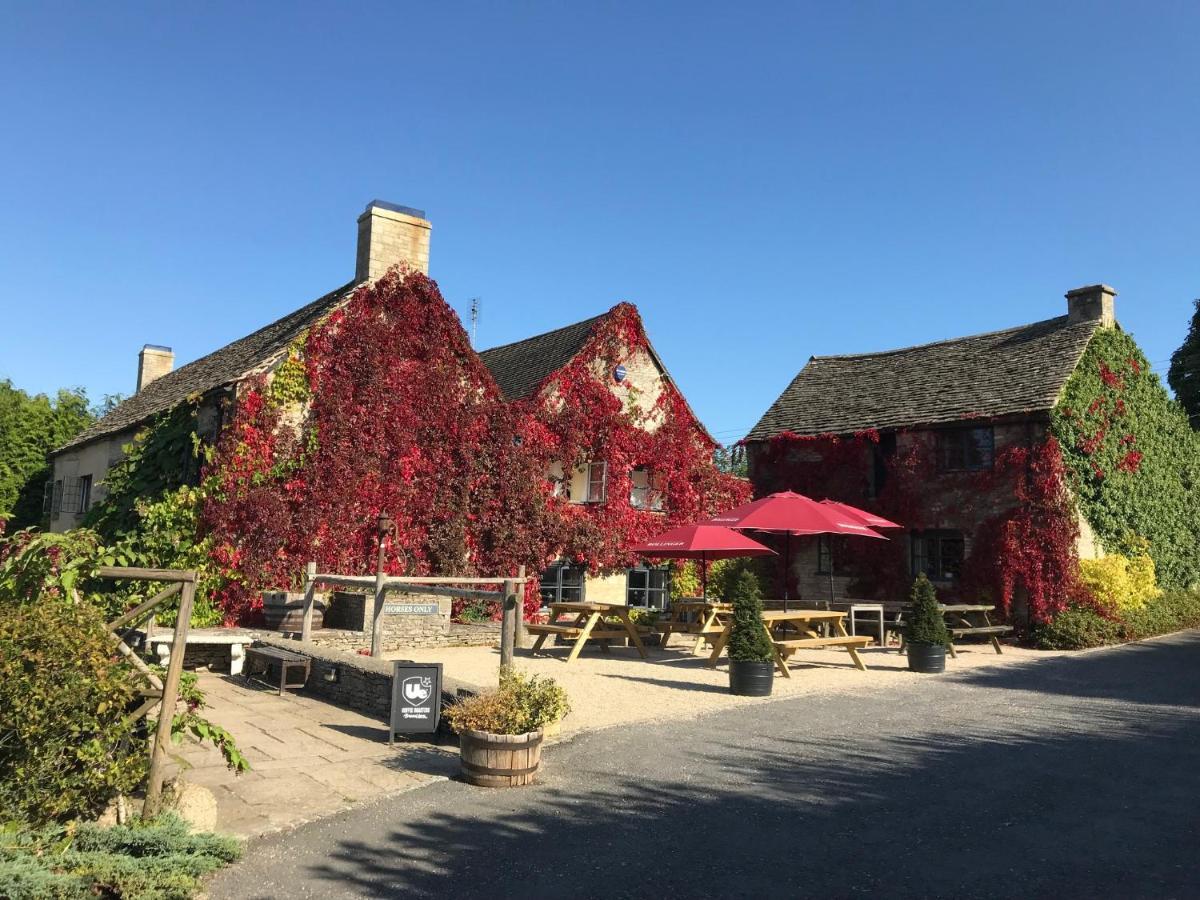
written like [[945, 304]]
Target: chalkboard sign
[[416, 698]]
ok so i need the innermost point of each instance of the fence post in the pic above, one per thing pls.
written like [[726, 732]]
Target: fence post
[[310, 590], [519, 637], [507, 626], [166, 711]]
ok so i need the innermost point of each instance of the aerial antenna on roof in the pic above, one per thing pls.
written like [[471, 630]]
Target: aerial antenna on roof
[[474, 318]]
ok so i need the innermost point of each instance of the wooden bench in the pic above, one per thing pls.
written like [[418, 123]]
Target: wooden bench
[[285, 659], [992, 631], [852, 643]]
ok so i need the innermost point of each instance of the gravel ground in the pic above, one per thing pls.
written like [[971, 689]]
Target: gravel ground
[[1064, 777], [619, 687]]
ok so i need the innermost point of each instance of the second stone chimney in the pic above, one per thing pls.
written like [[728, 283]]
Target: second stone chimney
[[390, 235], [153, 362], [1086, 304]]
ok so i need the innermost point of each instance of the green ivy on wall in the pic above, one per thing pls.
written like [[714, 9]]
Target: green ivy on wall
[[1133, 461]]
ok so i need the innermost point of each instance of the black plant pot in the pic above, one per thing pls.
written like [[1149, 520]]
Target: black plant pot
[[928, 658], [751, 679]]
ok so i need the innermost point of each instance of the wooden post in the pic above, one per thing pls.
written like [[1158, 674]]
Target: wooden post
[[310, 590], [519, 637], [508, 626], [383, 527], [166, 712]]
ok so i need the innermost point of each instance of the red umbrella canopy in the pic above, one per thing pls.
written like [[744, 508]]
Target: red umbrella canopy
[[861, 515], [701, 542], [792, 513]]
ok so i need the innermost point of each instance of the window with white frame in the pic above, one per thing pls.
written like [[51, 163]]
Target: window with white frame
[[648, 587], [562, 583], [597, 482], [85, 493], [644, 492]]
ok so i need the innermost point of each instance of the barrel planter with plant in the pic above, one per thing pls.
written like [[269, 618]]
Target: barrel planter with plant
[[926, 636], [751, 660], [501, 731]]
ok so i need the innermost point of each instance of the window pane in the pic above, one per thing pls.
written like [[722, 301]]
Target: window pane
[[951, 558], [979, 451]]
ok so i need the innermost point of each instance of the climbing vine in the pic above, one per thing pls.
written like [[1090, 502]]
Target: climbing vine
[[1133, 461]]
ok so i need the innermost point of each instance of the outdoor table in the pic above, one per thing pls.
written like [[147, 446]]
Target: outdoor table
[[805, 621], [580, 623], [972, 618], [693, 616]]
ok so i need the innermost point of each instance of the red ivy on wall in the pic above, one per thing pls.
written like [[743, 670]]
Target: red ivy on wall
[[404, 418]]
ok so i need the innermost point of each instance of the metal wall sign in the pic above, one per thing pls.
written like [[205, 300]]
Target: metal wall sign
[[416, 698], [411, 609]]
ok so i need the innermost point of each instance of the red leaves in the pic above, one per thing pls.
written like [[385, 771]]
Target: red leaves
[[1130, 462]]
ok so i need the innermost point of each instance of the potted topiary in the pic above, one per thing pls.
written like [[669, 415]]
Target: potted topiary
[[501, 731], [926, 636], [751, 662]]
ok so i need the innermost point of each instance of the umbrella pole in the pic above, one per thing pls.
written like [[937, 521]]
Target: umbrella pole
[[787, 566], [703, 575], [831, 569]]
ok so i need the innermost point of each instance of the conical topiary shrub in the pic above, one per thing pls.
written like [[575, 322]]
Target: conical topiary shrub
[[926, 636], [751, 662]]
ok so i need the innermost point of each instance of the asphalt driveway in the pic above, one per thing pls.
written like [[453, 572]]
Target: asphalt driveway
[[1071, 776]]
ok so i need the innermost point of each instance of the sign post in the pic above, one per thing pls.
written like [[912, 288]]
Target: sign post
[[416, 698]]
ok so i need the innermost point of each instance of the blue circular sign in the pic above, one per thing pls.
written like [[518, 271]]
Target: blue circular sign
[[619, 373]]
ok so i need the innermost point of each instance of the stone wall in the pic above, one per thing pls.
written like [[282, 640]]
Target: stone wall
[[401, 630]]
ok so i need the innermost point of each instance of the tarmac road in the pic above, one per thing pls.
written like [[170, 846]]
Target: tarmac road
[[1064, 777]]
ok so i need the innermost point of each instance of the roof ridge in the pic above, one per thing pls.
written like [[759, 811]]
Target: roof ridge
[[545, 334], [953, 340]]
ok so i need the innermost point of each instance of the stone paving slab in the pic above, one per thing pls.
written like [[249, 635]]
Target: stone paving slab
[[308, 758]]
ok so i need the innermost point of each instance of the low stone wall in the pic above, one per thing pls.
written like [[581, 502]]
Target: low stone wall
[[401, 629], [361, 683]]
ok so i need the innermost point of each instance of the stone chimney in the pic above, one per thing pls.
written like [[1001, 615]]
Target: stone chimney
[[390, 235], [1093, 302], [153, 362]]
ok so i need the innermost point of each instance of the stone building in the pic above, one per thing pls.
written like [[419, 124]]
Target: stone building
[[957, 404]]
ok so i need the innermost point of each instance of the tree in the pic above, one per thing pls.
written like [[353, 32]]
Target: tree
[[30, 427], [1184, 374], [927, 626], [748, 641]]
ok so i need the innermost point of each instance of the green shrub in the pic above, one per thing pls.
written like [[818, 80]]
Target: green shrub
[[1076, 628], [66, 743], [159, 859], [926, 624], [748, 641], [519, 705], [1163, 614]]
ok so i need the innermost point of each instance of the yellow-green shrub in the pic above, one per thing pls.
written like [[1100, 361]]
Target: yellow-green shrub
[[1120, 583]]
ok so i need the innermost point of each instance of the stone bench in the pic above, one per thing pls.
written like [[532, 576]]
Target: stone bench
[[160, 642]]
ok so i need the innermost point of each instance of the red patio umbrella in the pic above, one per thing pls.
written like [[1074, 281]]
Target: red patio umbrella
[[861, 515], [791, 513], [702, 542]]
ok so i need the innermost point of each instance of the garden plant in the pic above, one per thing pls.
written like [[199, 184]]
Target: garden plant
[[925, 635], [751, 657]]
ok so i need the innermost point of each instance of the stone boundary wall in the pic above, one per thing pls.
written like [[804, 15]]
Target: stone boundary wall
[[345, 617], [363, 684]]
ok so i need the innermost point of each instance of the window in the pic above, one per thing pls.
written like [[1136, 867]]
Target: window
[[939, 554], [643, 490], [597, 482], [85, 493], [648, 587], [881, 454], [827, 544], [562, 583], [965, 449]]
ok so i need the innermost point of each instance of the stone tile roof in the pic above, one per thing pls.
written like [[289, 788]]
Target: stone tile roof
[[222, 367], [519, 368], [1017, 370]]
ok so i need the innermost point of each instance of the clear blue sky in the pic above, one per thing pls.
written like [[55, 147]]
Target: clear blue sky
[[764, 182]]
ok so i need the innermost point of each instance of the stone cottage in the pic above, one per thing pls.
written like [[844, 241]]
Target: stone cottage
[[943, 438]]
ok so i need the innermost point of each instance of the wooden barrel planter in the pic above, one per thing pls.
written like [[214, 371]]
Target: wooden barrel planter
[[500, 760], [284, 611]]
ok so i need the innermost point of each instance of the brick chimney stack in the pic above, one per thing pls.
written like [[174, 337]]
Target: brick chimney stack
[[390, 235], [1095, 301], [153, 362]]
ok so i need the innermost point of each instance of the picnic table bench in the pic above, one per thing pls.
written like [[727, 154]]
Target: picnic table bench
[[805, 622], [963, 619], [693, 616], [266, 656], [581, 624]]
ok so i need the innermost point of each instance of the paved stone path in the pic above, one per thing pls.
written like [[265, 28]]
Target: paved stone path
[[1064, 777], [309, 758]]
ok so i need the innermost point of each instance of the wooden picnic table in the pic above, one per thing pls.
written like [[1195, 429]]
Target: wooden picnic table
[[581, 624], [964, 619], [805, 622], [693, 616]]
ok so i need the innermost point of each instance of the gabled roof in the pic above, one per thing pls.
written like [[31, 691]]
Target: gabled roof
[[1001, 373], [520, 368], [223, 367]]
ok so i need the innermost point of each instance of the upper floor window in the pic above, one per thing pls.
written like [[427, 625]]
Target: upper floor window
[[939, 554], [648, 586], [965, 449], [597, 482], [643, 490]]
